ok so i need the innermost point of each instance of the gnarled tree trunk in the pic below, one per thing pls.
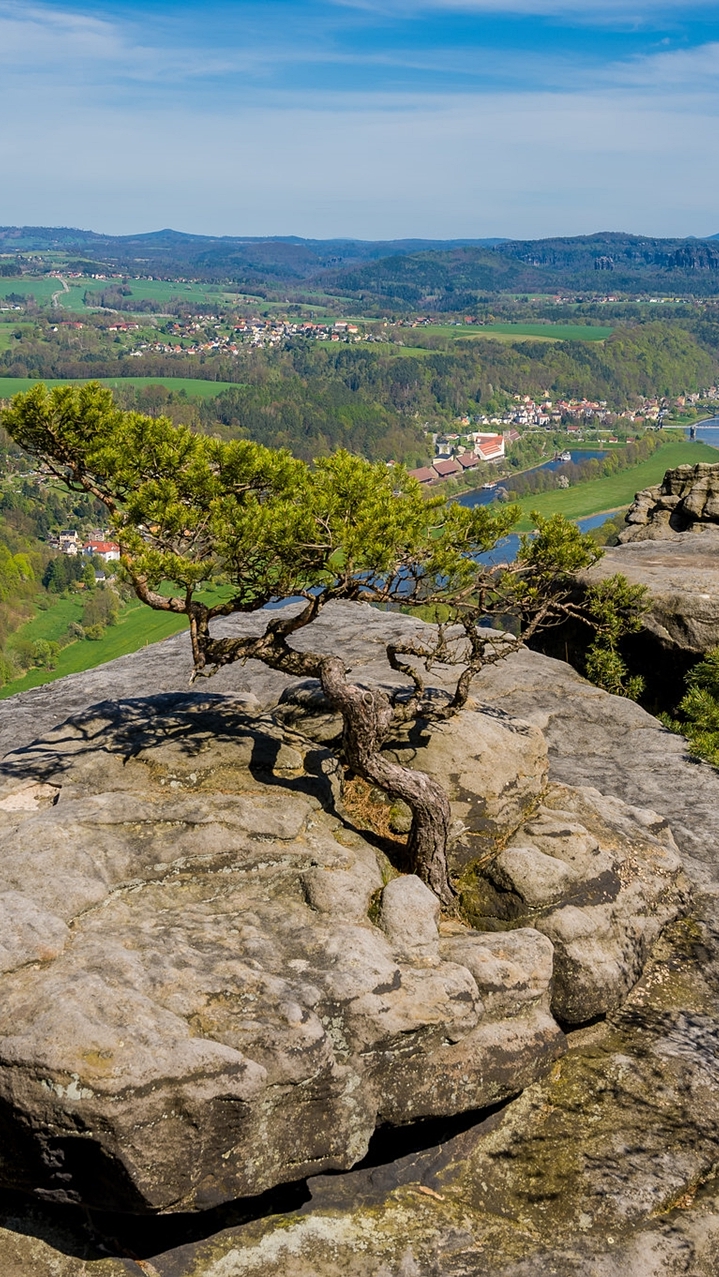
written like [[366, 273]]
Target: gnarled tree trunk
[[367, 717]]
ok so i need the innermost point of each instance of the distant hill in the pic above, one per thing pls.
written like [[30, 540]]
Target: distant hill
[[243, 259], [451, 279], [448, 275]]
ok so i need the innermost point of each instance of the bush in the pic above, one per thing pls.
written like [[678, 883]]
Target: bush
[[95, 632], [102, 608], [44, 654], [698, 711], [7, 670], [608, 532]]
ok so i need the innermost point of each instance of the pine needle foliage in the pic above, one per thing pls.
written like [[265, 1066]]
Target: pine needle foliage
[[698, 711]]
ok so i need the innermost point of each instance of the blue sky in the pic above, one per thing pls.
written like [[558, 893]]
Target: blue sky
[[369, 118]]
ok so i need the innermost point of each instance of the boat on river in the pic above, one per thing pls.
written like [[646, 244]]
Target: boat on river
[[565, 456]]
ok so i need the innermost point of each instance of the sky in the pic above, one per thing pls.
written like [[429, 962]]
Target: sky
[[375, 119]]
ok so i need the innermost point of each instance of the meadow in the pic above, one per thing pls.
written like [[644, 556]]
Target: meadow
[[617, 490], [553, 332], [138, 625], [25, 285], [193, 388], [545, 332], [508, 334], [155, 290]]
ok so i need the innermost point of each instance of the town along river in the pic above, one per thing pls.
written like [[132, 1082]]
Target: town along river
[[506, 550]]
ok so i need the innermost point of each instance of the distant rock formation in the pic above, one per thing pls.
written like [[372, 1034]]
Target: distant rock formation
[[687, 500]]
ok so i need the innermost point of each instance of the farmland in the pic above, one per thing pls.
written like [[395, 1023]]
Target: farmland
[[546, 332], [161, 291], [192, 387], [41, 289]]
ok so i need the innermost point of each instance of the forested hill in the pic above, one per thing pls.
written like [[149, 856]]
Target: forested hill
[[453, 278], [442, 275], [169, 253], [314, 397]]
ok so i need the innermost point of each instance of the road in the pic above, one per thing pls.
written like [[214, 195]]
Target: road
[[60, 291]]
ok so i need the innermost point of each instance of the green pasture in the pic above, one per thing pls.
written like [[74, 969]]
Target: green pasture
[[7, 333], [156, 290], [506, 333], [41, 289], [10, 386], [546, 332], [138, 625], [617, 490], [52, 623]]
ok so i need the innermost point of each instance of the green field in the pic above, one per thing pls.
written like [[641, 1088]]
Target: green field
[[617, 490], [157, 290], [557, 332], [7, 333], [41, 289], [506, 333], [10, 386], [138, 626], [544, 332]]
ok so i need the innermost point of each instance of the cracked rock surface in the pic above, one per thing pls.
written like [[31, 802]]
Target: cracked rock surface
[[602, 1167], [195, 1002]]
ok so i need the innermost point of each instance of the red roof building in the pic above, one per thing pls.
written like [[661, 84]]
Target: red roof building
[[447, 469], [468, 460], [490, 449], [423, 475], [106, 550]]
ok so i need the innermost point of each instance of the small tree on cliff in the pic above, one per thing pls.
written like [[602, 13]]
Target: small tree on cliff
[[192, 512]]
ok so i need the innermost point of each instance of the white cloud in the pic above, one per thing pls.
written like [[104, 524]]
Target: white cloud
[[690, 68], [34, 37]]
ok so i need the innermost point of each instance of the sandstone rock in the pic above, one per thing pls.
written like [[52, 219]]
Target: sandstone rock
[[605, 1165], [682, 577], [687, 500], [409, 916], [494, 769], [589, 874], [195, 1004], [510, 968]]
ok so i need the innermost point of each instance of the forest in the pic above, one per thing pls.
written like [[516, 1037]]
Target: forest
[[313, 397]]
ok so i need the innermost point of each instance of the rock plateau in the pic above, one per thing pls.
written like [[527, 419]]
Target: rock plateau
[[213, 981]]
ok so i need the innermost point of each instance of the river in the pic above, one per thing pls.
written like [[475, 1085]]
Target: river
[[706, 431], [506, 550], [484, 496]]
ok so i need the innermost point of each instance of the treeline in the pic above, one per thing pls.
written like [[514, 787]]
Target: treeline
[[454, 279], [30, 572]]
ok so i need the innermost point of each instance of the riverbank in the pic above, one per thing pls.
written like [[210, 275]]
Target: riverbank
[[617, 490]]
